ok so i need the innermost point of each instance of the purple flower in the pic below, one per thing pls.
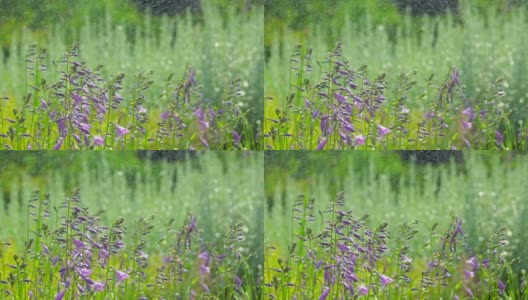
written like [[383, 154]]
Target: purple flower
[[469, 292], [98, 140], [205, 287], [318, 264], [429, 115], [470, 113], [342, 247], [192, 226], [456, 297], [60, 295], [78, 244], [205, 257], [501, 286], [58, 145], [62, 127], [340, 98], [485, 263], [458, 228], [98, 286], [164, 116], [468, 274], [238, 282], [78, 99], [84, 272], [363, 290], [473, 261], [85, 128], [204, 142], [121, 276], [498, 137], [468, 144], [236, 137], [466, 125], [454, 78], [325, 294], [385, 280], [121, 131], [141, 109], [383, 131], [359, 140], [322, 144], [325, 130], [43, 104]]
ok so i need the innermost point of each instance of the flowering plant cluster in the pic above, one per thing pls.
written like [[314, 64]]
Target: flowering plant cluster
[[347, 259], [84, 111], [348, 110], [83, 259]]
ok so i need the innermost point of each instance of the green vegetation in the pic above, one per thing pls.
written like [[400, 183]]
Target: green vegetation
[[485, 192], [222, 45], [409, 61]]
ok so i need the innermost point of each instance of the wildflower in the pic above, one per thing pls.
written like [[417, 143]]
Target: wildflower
[[473, 261], [325, 294], [318, 264], [78, 99], [192, 226], [502, 287], [60, 295], [340, 98], [78, 244], [429, 115], [343, 247], [98, 286], [322, 144], [468, 144], [98, 140], [238, 282], [58, 145], [236, 137], [121, 276], [359, 140], [385, 280], [468, 274], [325, 130], [466, 125], [485, 263], [121, 131], [383, 131], [363, 290], [406, 259], [205, 287], [469, 292], [43, 104], [498, 137], [141, 109], [470, 113], [85, 128], [84, 272], [204, 142]]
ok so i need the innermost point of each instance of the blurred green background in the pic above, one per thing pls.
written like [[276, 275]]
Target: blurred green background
[[37, 15], [299, 15]]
